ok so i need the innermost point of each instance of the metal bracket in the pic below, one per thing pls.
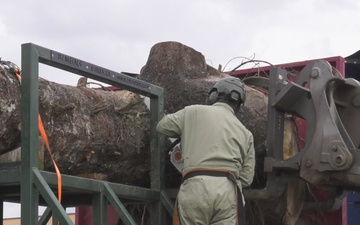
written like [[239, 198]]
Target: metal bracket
[[328, 103]]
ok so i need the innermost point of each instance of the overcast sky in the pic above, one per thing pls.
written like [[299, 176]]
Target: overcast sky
[[118, 34]]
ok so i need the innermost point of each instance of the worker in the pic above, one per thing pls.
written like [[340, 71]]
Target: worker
[[219, 157]]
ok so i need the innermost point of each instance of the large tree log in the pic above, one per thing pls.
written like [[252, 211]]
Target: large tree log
[[187, 79], [97, 131], [90, 131]]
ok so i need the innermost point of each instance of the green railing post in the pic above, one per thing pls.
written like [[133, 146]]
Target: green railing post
[[157, 157], [45, 217], [29, 134], [99, 209], [118, 205]]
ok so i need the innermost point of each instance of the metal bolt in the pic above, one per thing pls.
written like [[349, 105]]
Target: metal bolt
[[315, 72], [308, 163], [338, 159]]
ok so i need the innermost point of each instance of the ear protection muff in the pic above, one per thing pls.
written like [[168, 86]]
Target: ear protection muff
[[234, 96], [213, 97]]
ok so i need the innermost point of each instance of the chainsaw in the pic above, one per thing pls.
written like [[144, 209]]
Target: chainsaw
[[176, 157]]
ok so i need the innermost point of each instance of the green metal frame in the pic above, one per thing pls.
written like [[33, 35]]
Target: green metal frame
[[37, 187]]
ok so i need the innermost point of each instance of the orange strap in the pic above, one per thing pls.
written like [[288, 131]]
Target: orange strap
[[18, 75], [46, 141]]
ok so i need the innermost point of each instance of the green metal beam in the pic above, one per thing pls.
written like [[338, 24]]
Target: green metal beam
[[83, 68], [157, 158], [167, 203], [57, 209], [10, 177], [10, 166], [99, 209], [118, 206], [45, 217], [85, 184], [29, 134]]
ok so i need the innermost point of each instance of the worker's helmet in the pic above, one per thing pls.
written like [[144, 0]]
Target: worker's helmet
[[230, 88]]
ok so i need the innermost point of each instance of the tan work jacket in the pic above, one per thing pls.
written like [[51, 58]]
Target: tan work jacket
[[212, 137]]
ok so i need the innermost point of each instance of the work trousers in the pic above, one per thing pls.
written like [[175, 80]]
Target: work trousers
[[207, 200]]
